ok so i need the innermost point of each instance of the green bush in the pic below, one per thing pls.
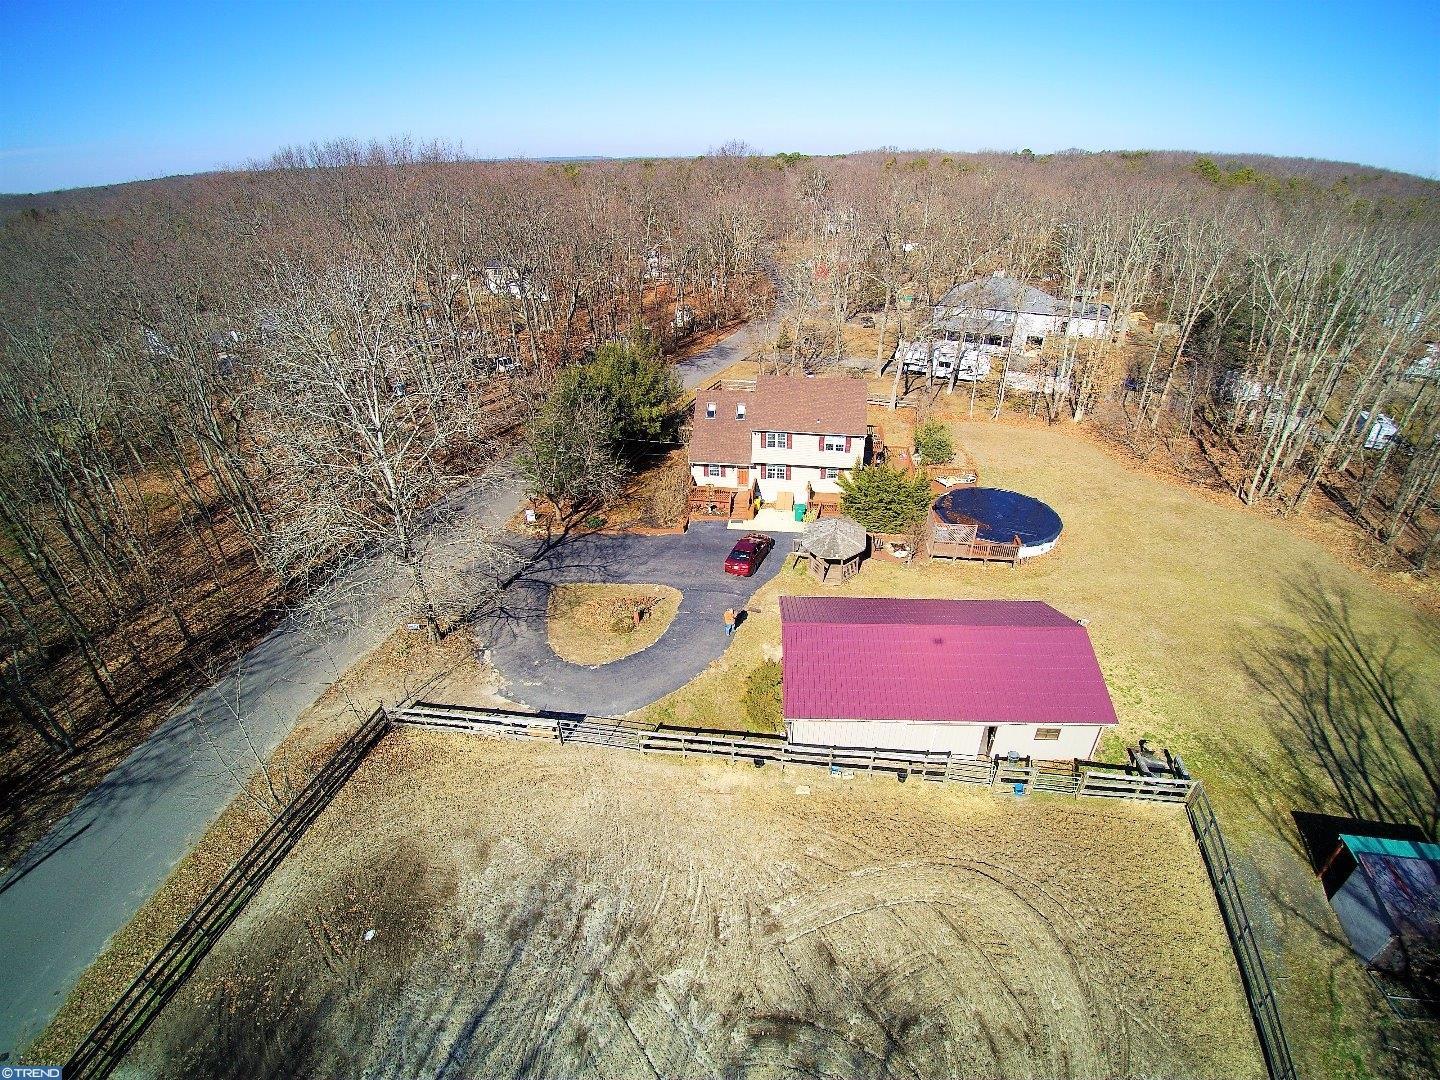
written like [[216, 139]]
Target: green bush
[[587, 435], [933, 443], [762, 698], [884, 499]]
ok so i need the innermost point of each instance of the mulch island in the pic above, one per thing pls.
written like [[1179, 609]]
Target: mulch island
[[598, 624]]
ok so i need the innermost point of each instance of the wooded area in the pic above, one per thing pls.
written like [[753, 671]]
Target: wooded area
[[221, 393]]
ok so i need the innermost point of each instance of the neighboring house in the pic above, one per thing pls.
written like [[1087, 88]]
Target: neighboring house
[[502, 278], [1426, 366], [789, 434], [997, 313], [982, 677], [1378, 434]]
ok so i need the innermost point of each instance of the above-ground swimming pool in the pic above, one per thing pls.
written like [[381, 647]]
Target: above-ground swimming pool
[[1002, 516]]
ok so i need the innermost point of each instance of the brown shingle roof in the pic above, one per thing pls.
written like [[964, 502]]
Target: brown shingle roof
[[723, 440], [812, 406]]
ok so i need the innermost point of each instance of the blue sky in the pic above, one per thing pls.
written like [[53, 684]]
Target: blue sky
[[97, 93]]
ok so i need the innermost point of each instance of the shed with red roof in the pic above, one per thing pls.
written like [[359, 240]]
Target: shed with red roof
[[982, 677]]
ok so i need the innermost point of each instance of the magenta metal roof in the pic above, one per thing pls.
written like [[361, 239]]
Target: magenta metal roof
[[963, 661]]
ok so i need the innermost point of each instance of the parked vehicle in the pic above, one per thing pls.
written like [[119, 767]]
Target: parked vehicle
[[942, 358], [747, 554]]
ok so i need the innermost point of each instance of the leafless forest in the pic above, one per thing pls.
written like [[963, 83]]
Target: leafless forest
[[219, 393]]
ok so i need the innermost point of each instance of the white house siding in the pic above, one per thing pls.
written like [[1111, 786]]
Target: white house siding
[[1076, 741], [731, 477], [806, 450], [887, 734], [801, 482], [1088, 328], [1028, 325]]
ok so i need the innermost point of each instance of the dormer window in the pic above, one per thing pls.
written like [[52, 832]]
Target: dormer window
[[709, 410], [739, 410]]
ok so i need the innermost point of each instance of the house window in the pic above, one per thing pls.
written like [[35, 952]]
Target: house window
[[739, 410], [774, 472], [776, 440], [709, 410], [833, 443], [1047, 734], [714, 470], [829, 472], [1034, 342]]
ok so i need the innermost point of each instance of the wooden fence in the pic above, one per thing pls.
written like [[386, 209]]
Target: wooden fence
[[1259, 991], [1080, 778], [1056, 777], [101, 1050]]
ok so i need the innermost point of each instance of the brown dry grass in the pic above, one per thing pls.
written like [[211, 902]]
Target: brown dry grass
[[391, 672], [573, 911], [1185, 590], [655, 497], [594, 624]]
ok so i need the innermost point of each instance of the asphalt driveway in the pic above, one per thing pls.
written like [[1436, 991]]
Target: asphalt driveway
[[86, 878], [691, 562]]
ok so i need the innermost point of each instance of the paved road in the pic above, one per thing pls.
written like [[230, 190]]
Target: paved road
[[87, 877], [691, 562]]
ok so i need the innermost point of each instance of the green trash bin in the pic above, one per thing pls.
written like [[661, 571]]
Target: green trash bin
[[799, 511]]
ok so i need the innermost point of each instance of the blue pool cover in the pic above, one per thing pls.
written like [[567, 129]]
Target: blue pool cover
[[1003, 515]]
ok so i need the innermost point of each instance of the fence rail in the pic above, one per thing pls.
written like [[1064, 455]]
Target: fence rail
[[1088, 779], [101, 1050], [1259, 991]]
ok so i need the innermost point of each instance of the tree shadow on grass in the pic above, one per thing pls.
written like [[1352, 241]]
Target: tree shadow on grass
[[1358, 727], [1358, 735]]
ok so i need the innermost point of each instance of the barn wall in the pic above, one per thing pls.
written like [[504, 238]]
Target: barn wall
[[886, 734], [1076, 741]]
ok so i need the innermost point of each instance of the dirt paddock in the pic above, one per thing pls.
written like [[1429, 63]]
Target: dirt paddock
[[546, 911]]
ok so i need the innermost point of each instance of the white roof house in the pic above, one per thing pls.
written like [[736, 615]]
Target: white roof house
[[998, 312]]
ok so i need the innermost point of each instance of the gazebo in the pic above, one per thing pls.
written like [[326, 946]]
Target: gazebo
[[832, 548]]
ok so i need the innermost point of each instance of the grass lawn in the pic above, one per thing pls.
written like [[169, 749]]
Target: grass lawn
[[594, 624], [1284, 678]]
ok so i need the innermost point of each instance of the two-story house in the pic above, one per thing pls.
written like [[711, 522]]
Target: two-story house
[[789, 434], [995, 313]]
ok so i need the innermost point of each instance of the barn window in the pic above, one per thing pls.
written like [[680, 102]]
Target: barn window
[[709, 410], [1047, 734]]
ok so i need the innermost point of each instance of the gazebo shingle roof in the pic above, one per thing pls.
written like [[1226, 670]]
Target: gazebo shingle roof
[[834, 539]]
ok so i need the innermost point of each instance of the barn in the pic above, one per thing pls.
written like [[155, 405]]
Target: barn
[[982, 677]]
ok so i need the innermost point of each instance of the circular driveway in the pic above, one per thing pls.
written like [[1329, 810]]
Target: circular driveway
[[691, 562]]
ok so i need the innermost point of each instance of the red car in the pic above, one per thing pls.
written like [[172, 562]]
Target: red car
[[748, 553]]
